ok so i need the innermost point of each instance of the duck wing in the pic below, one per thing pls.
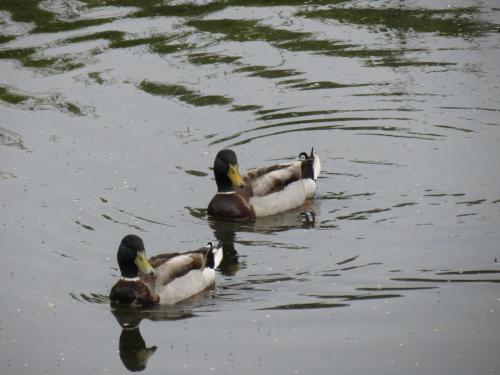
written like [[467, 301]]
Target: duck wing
[[168, 268], [267, 180], [159, 259]]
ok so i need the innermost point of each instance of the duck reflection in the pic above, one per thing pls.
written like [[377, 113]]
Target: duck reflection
[[226, 231], [133, 350]]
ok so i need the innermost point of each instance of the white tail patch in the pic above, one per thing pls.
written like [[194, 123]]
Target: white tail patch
[[217, 256], [316, 166], [292, 196]]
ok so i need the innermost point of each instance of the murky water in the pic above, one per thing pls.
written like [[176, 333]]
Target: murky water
[[111, 115]]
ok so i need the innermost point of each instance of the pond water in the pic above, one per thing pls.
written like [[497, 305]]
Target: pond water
[[111, 113]]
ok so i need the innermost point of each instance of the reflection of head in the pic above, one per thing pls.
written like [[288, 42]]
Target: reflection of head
[[133, 351], [225, 232], [132, 348]]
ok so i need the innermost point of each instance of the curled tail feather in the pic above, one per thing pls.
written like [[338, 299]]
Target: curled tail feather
[[214, 255]]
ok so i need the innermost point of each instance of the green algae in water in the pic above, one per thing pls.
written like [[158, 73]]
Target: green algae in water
[[196, 173], [164, 49], [208, 58], [20, 54], [10, 97], [450, 22], [72, 108], [45, 21], [157, 43], [139, 41], [275, 73], [111, 35], [183, 94], [161, 89], [321, 85], [199, 213], [246, 30], [96, 77], [266, 72], [313, 45], [117, 39], [7, 38], [251, 30], [242, 108], [250, 68], [264, 3], [26, 57], [206, 100], [152, 8]]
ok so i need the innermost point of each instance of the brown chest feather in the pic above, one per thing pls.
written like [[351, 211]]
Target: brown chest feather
[[132, 293], [230, 206]]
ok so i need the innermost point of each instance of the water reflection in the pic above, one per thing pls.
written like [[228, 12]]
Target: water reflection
[[133, 351], [452, 276], [400, 96], [226, 231], [132, 347], [443, 21]]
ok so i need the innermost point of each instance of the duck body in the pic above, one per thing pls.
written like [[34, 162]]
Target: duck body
[[262, 191], [164, 279], [182, 275]]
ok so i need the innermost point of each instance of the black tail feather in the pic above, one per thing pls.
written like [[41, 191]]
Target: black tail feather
[[210, 259], [307, 165], [307, 168], [211, 254]]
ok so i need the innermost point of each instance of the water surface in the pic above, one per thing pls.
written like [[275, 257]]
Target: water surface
[[111, 115]]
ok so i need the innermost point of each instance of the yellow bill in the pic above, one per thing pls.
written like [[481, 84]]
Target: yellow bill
[[234, 176], [143, 264], [143, 355]]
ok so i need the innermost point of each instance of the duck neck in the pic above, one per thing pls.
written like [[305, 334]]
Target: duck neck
[[129, 271], [224, 184], [131, 279], [225, 189]]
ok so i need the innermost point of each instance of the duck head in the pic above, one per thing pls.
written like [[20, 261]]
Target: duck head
[[226, 171], [131, 257]]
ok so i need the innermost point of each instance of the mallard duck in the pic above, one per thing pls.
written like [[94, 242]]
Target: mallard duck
[[262, 191], [164, 279]]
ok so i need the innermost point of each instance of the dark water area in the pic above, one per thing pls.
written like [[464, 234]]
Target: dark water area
[[111, 113]]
